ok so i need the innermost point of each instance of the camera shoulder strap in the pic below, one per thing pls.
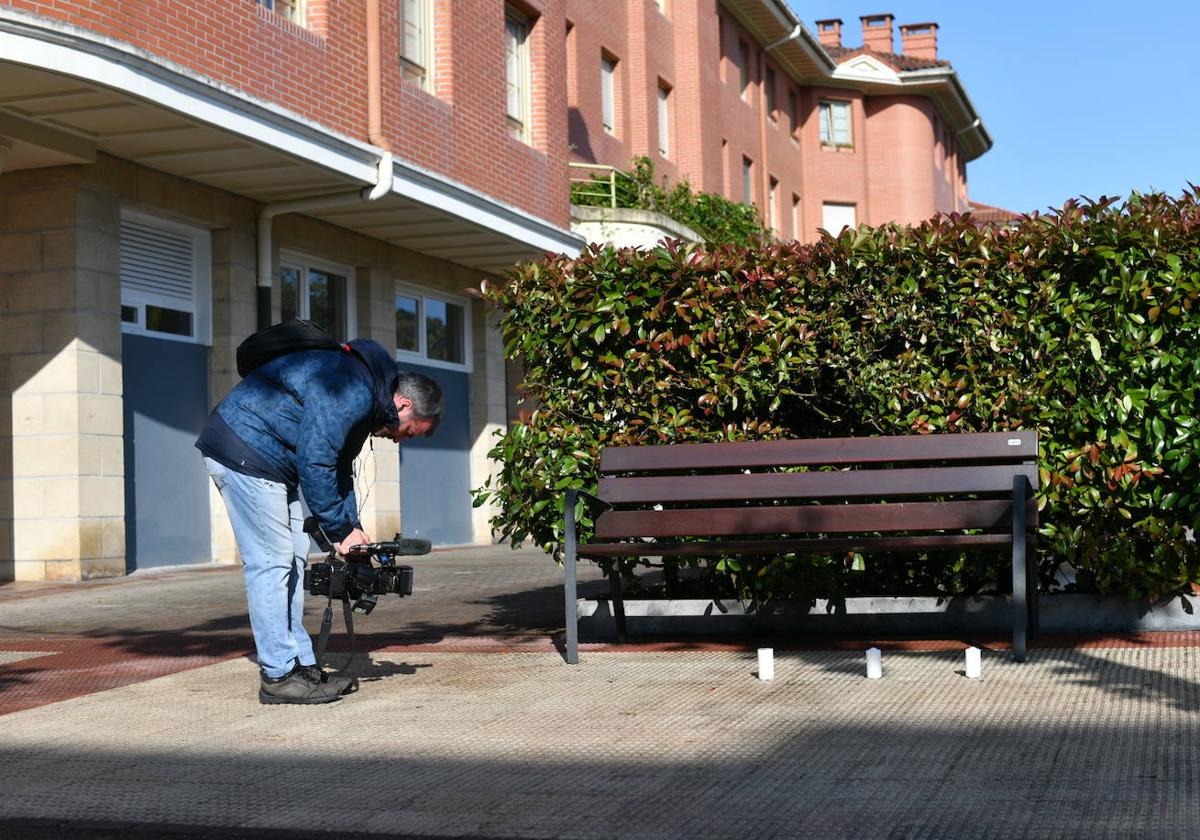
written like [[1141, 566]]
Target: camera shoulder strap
[[327, 626]]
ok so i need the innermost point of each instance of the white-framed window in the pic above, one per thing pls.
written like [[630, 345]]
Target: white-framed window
[[433, 328], [319, 291], [793, 112], [292, 10], [608, 93], [166, 278], [835, 123], [836, 216], [773, 206], [516, 52], [416, 42], [661, 5], [664, 119], [769, 82], [795, 216], [743, 59], [747, 181]]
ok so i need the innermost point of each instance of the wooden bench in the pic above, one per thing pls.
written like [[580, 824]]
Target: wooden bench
[[907, 493]]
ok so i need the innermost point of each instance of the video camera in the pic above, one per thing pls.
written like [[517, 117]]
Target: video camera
[[364, 574]]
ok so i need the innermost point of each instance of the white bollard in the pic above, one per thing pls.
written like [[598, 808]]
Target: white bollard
[[874, 664], [974, 663], [766, 663]]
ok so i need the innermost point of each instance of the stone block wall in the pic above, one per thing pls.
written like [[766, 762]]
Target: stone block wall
[[61, 436]]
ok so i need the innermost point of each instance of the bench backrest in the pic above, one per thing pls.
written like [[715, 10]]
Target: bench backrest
[[723, 489]]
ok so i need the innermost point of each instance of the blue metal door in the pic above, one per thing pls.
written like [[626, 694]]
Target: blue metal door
[[166, 486], [435, 473]]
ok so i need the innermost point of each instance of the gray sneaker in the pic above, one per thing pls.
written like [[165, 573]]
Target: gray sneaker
[[297, 686], [345, 685]]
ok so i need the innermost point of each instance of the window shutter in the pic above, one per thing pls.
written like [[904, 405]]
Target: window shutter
[[158, 263]]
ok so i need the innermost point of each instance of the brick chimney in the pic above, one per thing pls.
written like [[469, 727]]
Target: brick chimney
[[919, 40], [829, 31], [877, 32]]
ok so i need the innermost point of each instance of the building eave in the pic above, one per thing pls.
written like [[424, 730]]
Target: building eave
[[942, 85], [282, 155], [771, 22]]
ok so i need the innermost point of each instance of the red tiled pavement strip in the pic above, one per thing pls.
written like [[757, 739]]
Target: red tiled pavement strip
[[75, 667]]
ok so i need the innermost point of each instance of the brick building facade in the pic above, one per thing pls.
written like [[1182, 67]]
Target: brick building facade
[[173, 176], [741, 99]]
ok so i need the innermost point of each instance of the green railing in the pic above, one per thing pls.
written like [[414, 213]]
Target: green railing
[[595, 180]]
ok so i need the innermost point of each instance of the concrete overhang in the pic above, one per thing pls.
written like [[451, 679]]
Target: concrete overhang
[[67, 94], [774, 25]]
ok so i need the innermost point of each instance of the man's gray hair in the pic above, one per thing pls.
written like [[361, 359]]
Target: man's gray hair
[[425, 396]]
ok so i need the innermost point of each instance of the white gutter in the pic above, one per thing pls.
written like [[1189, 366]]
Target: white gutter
[[791, 36], [381, 187]]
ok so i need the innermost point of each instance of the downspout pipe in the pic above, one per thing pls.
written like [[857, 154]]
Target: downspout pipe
[[791, 36], [381, 187], [383, 173]]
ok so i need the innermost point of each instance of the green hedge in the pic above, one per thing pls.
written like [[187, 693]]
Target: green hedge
[[1082, 325]]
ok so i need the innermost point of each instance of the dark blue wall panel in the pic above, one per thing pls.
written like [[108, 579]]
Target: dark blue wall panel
[[435, 473], [166, 485]]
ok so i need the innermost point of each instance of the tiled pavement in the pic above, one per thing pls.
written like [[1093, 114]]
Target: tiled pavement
[[127, 709]]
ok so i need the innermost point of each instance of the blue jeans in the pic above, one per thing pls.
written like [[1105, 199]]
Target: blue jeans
[[269, 528]]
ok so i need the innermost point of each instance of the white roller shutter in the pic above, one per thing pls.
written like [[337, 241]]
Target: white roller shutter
[[165, 278]]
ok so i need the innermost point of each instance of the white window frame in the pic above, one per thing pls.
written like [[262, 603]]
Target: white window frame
[[516, 52], [417, 70], [747, 181], [201, 311], [745, 80], [304, 262], [298, 14], [773, 205], [835, 208], [420, 356], [608, 93], [828, 108], [770, 93], [664, 119]]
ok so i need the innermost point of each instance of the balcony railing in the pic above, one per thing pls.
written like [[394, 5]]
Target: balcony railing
[[595, 180]]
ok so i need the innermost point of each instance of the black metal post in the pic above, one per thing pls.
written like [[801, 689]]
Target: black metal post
[[569, 561], [1020, 576]]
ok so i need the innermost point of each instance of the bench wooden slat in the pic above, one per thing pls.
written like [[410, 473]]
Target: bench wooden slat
[[811, 519], [798, 546], [981, 447], [921, 481]]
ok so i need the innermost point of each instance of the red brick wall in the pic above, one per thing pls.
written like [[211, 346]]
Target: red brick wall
[[319, 72], [896, 169]]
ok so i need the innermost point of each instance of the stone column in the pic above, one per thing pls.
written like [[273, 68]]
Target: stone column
[[377, 486], [489, 410], [234, 316], [62, 503]]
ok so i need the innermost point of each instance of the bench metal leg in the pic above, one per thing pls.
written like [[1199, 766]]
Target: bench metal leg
[[1034, 617], [1020, 575], [569, 588], [617, 600]]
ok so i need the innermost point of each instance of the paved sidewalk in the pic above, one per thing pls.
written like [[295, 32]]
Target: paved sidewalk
[[469, 724]]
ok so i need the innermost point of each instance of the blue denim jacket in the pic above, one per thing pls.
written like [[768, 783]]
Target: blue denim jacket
[[302, 419]]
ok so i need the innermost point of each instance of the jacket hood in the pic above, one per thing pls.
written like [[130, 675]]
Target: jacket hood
[[384, 373]]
